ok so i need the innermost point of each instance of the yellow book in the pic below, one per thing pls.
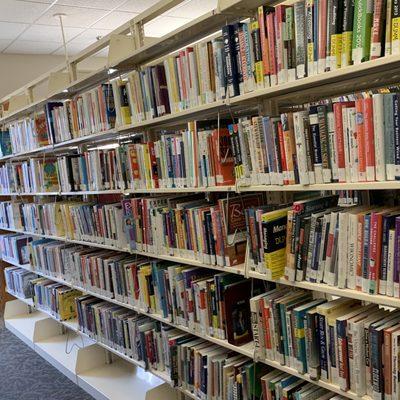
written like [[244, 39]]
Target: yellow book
[[347, 40], [147, 165], [336, 50], [66, 303], [274, 225]]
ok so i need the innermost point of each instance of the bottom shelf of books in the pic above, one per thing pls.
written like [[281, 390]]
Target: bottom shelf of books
[[195, 367], [102, 375]]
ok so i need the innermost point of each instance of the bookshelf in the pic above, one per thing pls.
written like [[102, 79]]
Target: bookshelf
[[368, 75], [245, 350], [85, 363]]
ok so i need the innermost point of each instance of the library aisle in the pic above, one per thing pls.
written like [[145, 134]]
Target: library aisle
[[200, 199], [24, 375]]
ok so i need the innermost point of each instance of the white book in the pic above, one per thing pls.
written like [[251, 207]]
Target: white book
[[332, 144], [352, 250], [379, 137], [342, 249], [390, 266], [301, 152]]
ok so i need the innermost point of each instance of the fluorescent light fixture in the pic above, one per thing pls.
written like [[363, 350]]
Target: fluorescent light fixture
[[65, 91], [111, 71]]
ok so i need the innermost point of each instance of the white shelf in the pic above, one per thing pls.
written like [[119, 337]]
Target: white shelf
[[23, 325], [239, 269], [119, 381], [61, 352], [81, 360], [324, 288], [385, 185]]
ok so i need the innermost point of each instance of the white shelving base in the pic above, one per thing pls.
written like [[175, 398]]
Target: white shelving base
[[81, 360]]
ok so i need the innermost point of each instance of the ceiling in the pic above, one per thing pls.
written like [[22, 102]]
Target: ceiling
[[29, 26]]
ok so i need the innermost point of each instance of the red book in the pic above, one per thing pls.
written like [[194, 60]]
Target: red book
[[153, 162], [223, 157], [322, 25], [369, 138], [272, 47], [340, 142], [377, 29], [281, 51], [375, 244], [362, 176]]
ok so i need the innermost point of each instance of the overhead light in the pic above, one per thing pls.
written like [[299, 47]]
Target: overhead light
[[111, 71], [65, 91]]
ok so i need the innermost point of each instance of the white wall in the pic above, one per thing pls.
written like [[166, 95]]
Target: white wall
[[18, 69]]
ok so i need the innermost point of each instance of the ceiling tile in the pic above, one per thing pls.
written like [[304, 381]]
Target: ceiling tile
[[30, 47], [72, 48], [185, 9], [114, 20], [9, 30], [99, 4], [17, 11], [4, 43], [45, 33], [137, 6], [75, 16], [162, 25], [90, 35]]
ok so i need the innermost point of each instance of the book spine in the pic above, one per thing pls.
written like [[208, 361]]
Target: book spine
[[395, 19], [300, 38], [377, 29], [347, 35], [396, 119], [369, 139]]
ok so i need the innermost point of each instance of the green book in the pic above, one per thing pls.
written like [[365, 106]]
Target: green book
[[363, 14]]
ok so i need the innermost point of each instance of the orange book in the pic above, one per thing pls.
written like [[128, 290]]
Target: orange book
[[375, 244], [369, 138], [362, 177], [264, 41], [387, 358], [223, 158]]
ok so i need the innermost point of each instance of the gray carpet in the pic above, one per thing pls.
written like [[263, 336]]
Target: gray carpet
[[24, 375]]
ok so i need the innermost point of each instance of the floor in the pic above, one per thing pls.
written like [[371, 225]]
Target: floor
[[24, 375]]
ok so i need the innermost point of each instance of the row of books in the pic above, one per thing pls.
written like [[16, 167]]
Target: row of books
[[14, 247], [77, 220], [318, 241], [288, 42], [192, 297], [350, 140], [276, 46], [204, 369], [35, 175], [90, 112], [186, 226], [18, 281], [341, 341], [199, 156], [54, 298], [190, 227]]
